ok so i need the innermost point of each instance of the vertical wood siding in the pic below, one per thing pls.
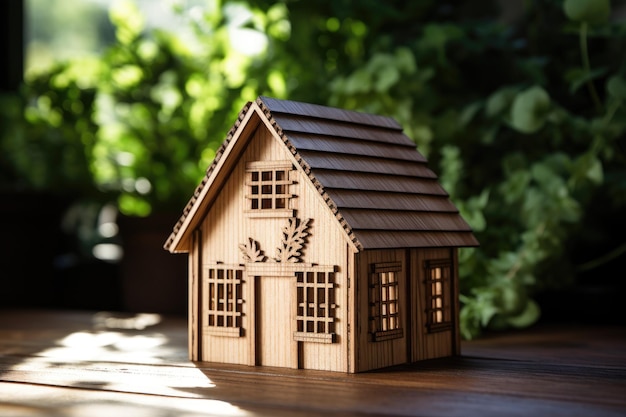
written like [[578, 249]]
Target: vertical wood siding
[[226, 226]]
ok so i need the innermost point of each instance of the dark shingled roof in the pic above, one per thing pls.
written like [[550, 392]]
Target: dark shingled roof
[[369, 173]]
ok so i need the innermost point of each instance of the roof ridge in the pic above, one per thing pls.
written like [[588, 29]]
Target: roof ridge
[[319, 111]]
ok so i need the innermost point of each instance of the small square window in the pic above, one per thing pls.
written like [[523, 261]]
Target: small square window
[[273, 184]]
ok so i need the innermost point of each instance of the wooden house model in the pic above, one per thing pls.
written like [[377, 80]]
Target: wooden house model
[[320, 239]]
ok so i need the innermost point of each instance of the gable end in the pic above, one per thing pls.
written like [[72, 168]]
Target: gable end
[[307, 170]]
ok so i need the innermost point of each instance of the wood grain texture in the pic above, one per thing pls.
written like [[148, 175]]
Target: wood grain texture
[[391, 201], [371, 181], [268, 308], [55, 363], [324, 112], [404, 220], [372, 355], [323, 160], [292, 123], [337, 145], [412, 239]]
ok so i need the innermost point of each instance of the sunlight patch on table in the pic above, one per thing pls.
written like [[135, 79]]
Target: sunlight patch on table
[[124, 361], [40, 401], [116, 321]]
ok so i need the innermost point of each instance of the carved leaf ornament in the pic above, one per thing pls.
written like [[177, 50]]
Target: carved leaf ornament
[[291, 246], [294, 239], [251, 251]]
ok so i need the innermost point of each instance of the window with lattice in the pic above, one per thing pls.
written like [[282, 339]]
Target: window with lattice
[[438, 297], [223, 299], [384, 297], [315, 309], [269, 188]]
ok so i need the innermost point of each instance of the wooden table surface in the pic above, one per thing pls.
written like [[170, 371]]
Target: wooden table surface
[[55, 363]]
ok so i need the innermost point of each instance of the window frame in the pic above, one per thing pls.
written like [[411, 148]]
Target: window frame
[[263, 187], [223, 299], [384, 312], [438, 285], [315, 306]]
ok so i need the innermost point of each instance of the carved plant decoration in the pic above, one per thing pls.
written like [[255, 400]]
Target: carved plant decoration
[[251, 251], [294, 239]]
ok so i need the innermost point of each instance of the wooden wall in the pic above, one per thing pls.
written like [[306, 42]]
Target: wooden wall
[[429, 345], [373, 355], [417, 343], [225, 226]]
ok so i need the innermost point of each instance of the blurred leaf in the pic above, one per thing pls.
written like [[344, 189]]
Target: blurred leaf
[[437, 35], [129, 21], [590, 11], [469, 112], [499, 101], [579, 77], [587, 167], [616, 86], [527, 317], [530, 109]]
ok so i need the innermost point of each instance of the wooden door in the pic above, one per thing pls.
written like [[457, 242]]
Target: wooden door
[[274, 335]]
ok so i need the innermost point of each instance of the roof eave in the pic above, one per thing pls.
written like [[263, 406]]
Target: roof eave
[[179, 240]]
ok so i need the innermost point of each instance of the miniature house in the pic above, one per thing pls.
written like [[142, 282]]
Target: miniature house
[[319, 239]]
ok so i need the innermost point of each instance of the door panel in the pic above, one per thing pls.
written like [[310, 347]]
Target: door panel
[[273, 315]]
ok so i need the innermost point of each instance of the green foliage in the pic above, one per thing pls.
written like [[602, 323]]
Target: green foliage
[[529, 110], [143, 120], [521, 146], [46, 145], [591, 11], [522, 113]]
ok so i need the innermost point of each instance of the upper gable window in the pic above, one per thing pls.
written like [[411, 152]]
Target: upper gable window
[[269, 186]]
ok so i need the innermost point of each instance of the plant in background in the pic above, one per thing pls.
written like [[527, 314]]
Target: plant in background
[[166, 99], [522, 112], [141, 122], [525, 143], [548, 185], [47, 144]]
